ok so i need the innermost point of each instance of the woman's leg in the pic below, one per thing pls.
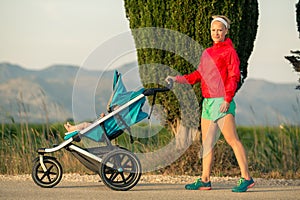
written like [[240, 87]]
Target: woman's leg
[[208, 131], [228, 129]]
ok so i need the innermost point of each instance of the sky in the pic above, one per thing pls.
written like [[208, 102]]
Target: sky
[[37, 34]]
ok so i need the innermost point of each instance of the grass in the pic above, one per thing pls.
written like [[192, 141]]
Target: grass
[[272, 151]]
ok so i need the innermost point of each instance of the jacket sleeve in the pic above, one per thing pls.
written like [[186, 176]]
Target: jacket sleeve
[[191, 78], [233, 76]]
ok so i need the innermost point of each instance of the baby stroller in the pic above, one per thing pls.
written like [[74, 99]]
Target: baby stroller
[[118, 168]]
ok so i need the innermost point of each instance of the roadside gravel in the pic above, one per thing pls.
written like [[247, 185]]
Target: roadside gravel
[[180, 179]]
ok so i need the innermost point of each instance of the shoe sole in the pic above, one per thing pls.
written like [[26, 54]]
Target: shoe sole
[[204, 188], [250, 186], [201, 188]]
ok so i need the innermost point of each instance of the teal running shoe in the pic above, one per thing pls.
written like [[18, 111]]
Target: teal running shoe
[[243, 185], [198, 185]]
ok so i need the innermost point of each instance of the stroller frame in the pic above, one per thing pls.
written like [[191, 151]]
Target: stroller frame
[[118, 168]]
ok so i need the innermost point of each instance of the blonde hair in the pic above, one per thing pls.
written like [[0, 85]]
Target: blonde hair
[[223, 17]]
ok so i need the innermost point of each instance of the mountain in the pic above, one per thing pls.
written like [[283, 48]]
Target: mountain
[[10, 71], [47, 94], [60, 92], [264, 103]]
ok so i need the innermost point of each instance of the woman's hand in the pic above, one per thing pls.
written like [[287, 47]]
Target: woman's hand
[[173, 78], [224, 106]]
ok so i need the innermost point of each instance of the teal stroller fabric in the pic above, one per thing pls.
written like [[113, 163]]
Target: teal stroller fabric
[[127, 117]]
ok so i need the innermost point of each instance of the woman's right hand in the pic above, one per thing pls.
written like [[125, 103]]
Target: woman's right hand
[[173, 78]]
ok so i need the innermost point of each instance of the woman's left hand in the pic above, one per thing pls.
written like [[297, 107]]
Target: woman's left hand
[[224, 107]]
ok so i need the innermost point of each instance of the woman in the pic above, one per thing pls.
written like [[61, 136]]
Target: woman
[[219, 75]]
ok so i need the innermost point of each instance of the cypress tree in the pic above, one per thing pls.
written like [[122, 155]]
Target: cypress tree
[[189, 18], [298, 16], [295, 59]]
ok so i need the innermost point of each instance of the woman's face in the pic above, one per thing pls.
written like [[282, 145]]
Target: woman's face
[[218, 31]]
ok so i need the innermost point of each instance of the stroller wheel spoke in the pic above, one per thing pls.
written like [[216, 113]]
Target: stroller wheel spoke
[[50, 168], [125, 165], [44, 175], [113, 176], [123, 177], [52, 173], [49, 178], [122, 157], [109, 171], [118, 160]]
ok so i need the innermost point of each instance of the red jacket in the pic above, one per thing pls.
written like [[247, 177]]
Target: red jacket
[[218, 71]]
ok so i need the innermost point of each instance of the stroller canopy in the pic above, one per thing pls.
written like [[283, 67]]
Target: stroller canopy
[[120, 95], [125, 108]]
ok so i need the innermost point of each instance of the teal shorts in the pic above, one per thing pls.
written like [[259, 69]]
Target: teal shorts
[[211, 108]]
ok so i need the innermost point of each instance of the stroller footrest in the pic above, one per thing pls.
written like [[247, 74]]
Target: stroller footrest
[[71, 134]]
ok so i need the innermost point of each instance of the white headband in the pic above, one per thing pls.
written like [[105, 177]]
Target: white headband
[[220, 20]]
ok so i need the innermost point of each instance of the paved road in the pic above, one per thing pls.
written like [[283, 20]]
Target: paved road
[[13, 189]]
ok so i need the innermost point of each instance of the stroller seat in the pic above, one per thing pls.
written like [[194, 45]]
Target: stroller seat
[[125, 110]]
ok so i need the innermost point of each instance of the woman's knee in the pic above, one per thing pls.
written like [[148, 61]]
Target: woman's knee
[[233, 142]]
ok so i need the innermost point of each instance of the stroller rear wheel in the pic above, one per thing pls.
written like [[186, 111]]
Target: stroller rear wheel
[[120, 170], [51, 176]]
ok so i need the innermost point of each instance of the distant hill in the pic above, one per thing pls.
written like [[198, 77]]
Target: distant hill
[[265, 103], [46, 95]]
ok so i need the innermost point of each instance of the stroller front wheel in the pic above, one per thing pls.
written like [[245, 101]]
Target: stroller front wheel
[[120, 170], [51, 176]]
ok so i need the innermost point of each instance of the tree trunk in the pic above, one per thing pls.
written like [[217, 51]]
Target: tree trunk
[[184, 136]]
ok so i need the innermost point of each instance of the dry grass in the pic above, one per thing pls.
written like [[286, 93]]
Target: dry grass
[[273, 152]]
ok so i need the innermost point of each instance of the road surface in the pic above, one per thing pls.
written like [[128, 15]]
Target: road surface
[[26, 189]]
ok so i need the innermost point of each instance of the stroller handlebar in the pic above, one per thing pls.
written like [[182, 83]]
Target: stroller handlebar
[[153, 91], [170, 83]]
